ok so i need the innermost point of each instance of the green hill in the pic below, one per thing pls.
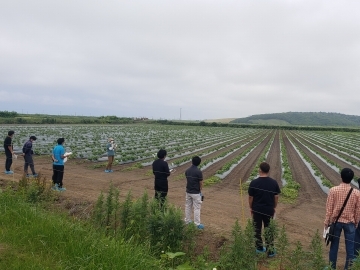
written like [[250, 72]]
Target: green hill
[[302, 119]]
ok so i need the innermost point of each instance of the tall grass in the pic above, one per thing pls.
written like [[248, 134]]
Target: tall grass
[[32, 238]]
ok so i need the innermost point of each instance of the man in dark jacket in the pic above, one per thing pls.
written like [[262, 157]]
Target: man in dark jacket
[[263, 198], [27, 153], [9, 152], [161, 172]]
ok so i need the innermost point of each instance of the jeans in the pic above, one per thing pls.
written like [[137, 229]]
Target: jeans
[[29, 162], [357, 241], [259, 219], [58, 174], [349, 232], [8, 161]]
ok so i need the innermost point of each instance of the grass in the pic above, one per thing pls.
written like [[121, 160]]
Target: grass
[[32, 238]]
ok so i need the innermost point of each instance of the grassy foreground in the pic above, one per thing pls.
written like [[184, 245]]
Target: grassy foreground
[[32, 238]]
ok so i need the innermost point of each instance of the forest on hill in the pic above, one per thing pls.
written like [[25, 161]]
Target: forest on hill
[[302, 119]]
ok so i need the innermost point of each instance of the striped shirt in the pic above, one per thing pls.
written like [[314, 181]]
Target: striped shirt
[[335, 201]]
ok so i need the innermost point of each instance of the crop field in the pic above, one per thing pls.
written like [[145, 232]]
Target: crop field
[[305, 164]]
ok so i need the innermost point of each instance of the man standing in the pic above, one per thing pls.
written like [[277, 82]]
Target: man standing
[[194, 184], [58, 165], [263, 198], [161, 171], [349, 217], [9, 152], [27, 153]]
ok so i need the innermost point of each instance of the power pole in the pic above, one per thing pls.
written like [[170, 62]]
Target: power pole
[[180, 113]]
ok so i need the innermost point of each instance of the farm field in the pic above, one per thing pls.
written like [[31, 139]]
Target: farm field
[[231, 156]]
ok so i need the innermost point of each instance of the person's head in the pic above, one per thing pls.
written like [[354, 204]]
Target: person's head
[[162, 153], [110, 140], [264, 167], [60, 140], [347, 175], [196, 161], [11, 133], [32, 138]]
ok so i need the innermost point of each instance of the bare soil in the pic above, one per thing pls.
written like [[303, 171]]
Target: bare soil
[[224, 203]]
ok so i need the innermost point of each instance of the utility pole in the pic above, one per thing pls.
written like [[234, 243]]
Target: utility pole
[[180, 113]]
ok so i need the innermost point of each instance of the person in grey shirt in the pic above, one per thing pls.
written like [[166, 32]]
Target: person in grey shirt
[[27, 153], [194, 185]]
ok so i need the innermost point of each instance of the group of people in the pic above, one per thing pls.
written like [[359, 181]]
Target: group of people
[[58, 157], [263, 195]]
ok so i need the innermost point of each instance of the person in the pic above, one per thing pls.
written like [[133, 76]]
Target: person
[[348, 220], [110, 147], [161, 172], [27, 154], [9, 152], [58, 165], [357, 235], [263, 199], [193, 199]]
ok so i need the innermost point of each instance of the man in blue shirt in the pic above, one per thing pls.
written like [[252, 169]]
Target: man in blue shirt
[[58, 165]]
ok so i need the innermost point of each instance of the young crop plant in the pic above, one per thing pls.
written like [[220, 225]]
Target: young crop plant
[[289, 191]]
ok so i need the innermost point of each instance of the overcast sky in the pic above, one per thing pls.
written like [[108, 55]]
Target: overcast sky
[[212, 59]]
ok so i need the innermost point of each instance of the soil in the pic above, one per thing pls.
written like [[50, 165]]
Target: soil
[[224, 202]]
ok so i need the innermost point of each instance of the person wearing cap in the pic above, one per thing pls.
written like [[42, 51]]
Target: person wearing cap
[[110, 147], [161, 172], [27, 154], [348, 220], [9, 152]]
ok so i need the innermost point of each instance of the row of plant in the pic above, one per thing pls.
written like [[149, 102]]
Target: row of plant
[[329, 161], [289, 191], [345, 145], [131, 234], [229, 166], [262, 158], [325, 182], [332, 152], [135, 142]]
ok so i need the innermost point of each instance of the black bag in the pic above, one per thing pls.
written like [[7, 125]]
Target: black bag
[[330, 235]]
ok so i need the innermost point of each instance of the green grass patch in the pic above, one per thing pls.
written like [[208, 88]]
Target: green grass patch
[[212, 180], [135, 166]]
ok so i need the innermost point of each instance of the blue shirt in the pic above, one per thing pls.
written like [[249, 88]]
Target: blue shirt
[[110, 152], [59, 151]]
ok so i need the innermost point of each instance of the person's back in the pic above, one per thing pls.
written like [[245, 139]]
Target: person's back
[[263, 191], [161, 172], [193, 178], [58, 151]]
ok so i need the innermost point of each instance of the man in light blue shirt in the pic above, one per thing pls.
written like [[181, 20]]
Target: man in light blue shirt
[[58, 165]]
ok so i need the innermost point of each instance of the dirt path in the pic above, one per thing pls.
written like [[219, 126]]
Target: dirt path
[[274, 160]]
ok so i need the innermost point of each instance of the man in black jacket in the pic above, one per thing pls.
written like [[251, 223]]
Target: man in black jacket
[[161, 172]]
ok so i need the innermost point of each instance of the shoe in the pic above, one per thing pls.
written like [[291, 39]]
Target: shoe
[[111, 171], [9, 172], [259, 251], [272, 253], [34, 175], [28, 175], [107, 171], [55, 187], [61, 189], [200, 226]]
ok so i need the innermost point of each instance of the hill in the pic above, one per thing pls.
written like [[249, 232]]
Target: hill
[[302, 119]]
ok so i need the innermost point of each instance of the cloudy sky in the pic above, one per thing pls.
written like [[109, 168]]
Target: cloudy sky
[[210, 59]]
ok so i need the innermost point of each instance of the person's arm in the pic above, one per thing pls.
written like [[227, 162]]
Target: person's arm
[[167, 170], [276, 199], [329, 208], [201, 185], [251, 199], [10, 149]]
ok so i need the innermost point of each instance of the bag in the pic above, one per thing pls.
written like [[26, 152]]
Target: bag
[[330, 233]]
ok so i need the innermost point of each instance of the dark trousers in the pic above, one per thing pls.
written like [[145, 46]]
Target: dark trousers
[[161, 197], [259, 220], [8, 161], [29, 162], [58, 174]]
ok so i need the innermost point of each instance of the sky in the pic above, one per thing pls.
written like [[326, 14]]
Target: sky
[[169, 59]]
